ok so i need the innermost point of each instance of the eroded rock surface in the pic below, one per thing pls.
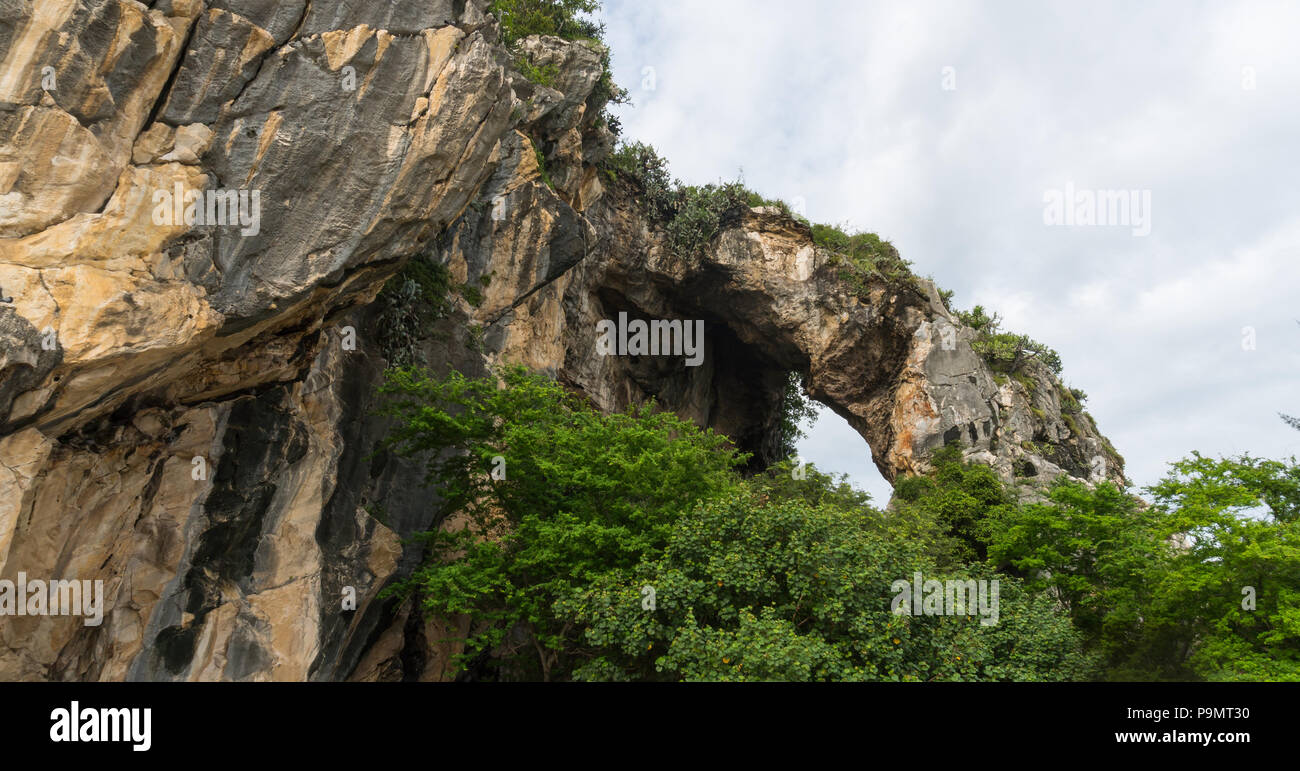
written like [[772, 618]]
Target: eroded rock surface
[[186, 408]]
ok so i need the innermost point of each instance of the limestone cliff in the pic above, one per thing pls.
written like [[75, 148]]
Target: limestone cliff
[[186, 409]]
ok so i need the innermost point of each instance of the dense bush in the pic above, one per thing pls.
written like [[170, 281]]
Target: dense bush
[[864, 250], [550, 492], [627, 546], [766, 588], [691, 215]]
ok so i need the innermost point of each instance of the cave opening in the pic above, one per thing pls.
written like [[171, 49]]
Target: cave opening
[[834, 447], [740, 387]]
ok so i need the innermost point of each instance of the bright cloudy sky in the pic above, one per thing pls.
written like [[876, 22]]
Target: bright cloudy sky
[[841, 105]]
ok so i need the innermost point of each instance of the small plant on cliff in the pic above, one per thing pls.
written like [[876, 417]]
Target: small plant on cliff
[[861, 254], [567, 19], [412, 301], [642, 164], [691, 215], [1005, 351], [561, 18], [543, 76], [408, 305], [541, 167]]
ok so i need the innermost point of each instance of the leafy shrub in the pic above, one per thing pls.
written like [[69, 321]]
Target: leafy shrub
[[699, 213], [577, 493], [642, 164], [861, 255], [408, 306], [783, 589], [561, 18], [543, 76], [412, 301], [565, 19], [1005, 351]]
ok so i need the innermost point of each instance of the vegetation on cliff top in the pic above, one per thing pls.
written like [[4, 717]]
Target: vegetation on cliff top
[[567, 19], [1005, 352], [693, 214]]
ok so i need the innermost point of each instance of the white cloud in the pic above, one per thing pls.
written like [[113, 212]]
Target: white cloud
[[841, 104]]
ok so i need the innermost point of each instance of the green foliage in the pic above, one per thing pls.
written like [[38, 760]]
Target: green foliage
[[561, 18], [861, 255], [1005, 351], [699, 213], [787, 481], [781, 588], [541, 167], [408, 305], [412, 301], [566, 19], [1070, 423], [642, 164], [796, 411], [543, 76], [755, 200], [1241, 518], [577, 493], [1084, 545], [789, 575], [605, 93], [1158, 591], [691, 215], [1071, 402], [959, 497], [472, 294]]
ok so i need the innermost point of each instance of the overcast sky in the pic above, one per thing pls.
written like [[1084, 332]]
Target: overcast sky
[[848, 108]]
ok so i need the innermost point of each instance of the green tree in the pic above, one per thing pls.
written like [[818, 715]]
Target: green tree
[[1236, 573], [774, 587], [1100, 553], [1200, 585], [552, 494], [568, 19], [959, 496]]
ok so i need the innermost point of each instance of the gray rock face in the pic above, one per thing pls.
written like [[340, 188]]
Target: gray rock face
[[186, 407]]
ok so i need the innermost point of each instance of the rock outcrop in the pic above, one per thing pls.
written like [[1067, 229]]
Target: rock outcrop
[[186, 395]]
